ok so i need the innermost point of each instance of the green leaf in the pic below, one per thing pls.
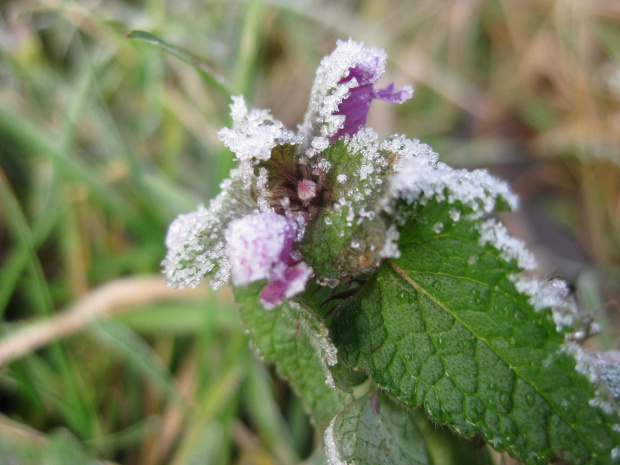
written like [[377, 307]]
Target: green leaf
[[375, 430], [372, 431], [444, 327], [183, 55], [296, 342]]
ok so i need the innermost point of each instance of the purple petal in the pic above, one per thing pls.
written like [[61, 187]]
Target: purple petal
[[399, 96], [257, 244], [366, 73], [293, 282], [272, 294], [356, 105], [261, 246], [296, 279], [355, 110]]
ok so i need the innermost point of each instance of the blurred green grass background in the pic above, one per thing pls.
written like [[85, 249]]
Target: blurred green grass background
[[104, 140]]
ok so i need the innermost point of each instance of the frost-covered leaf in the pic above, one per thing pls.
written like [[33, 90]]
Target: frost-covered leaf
[[367, 180], [297, 343], [608, 364], [374, 430], [195, 241], [349, 236], [445, 327]]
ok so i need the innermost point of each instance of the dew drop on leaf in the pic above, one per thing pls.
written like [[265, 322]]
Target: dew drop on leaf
[[504, 399], [405, 296], [530, 398], [436, 285]]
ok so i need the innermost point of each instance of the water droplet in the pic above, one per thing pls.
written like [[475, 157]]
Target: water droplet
[[355, 244], [492, 386], [466, 344], [408, 357], [437, 285], [328, 220], [405, 296], [530, 398], [441, 341], [504, 399]]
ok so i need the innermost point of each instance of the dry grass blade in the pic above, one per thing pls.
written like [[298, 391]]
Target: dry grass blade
[[107, 300]]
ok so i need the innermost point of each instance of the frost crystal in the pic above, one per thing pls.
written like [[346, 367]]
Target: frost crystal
[[553, 294], [333, 457], [255, 133], [608, 365], [495, 234], [419, 178], [195, 241]]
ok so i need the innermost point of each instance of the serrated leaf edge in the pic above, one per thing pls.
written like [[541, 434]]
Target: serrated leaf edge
[[598, 402]]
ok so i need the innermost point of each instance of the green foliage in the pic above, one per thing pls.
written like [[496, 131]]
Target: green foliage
[[59, 448], [295, 340], [375, 430], [199, 64], [439, 329]]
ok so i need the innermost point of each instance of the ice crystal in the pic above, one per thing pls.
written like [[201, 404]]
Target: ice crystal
[[553, 294], [495, 233], [608, 365], [333, 457], [255, 133]]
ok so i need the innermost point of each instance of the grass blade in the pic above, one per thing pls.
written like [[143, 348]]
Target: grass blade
[[183, 55]]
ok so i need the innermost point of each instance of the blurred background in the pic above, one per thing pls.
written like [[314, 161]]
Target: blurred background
[[104, 140]]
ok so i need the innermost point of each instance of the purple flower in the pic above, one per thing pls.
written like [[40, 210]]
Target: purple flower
[[355, 107], [261, 246]]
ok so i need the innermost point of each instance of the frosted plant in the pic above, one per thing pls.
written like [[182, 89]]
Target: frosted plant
[[394, 297]]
